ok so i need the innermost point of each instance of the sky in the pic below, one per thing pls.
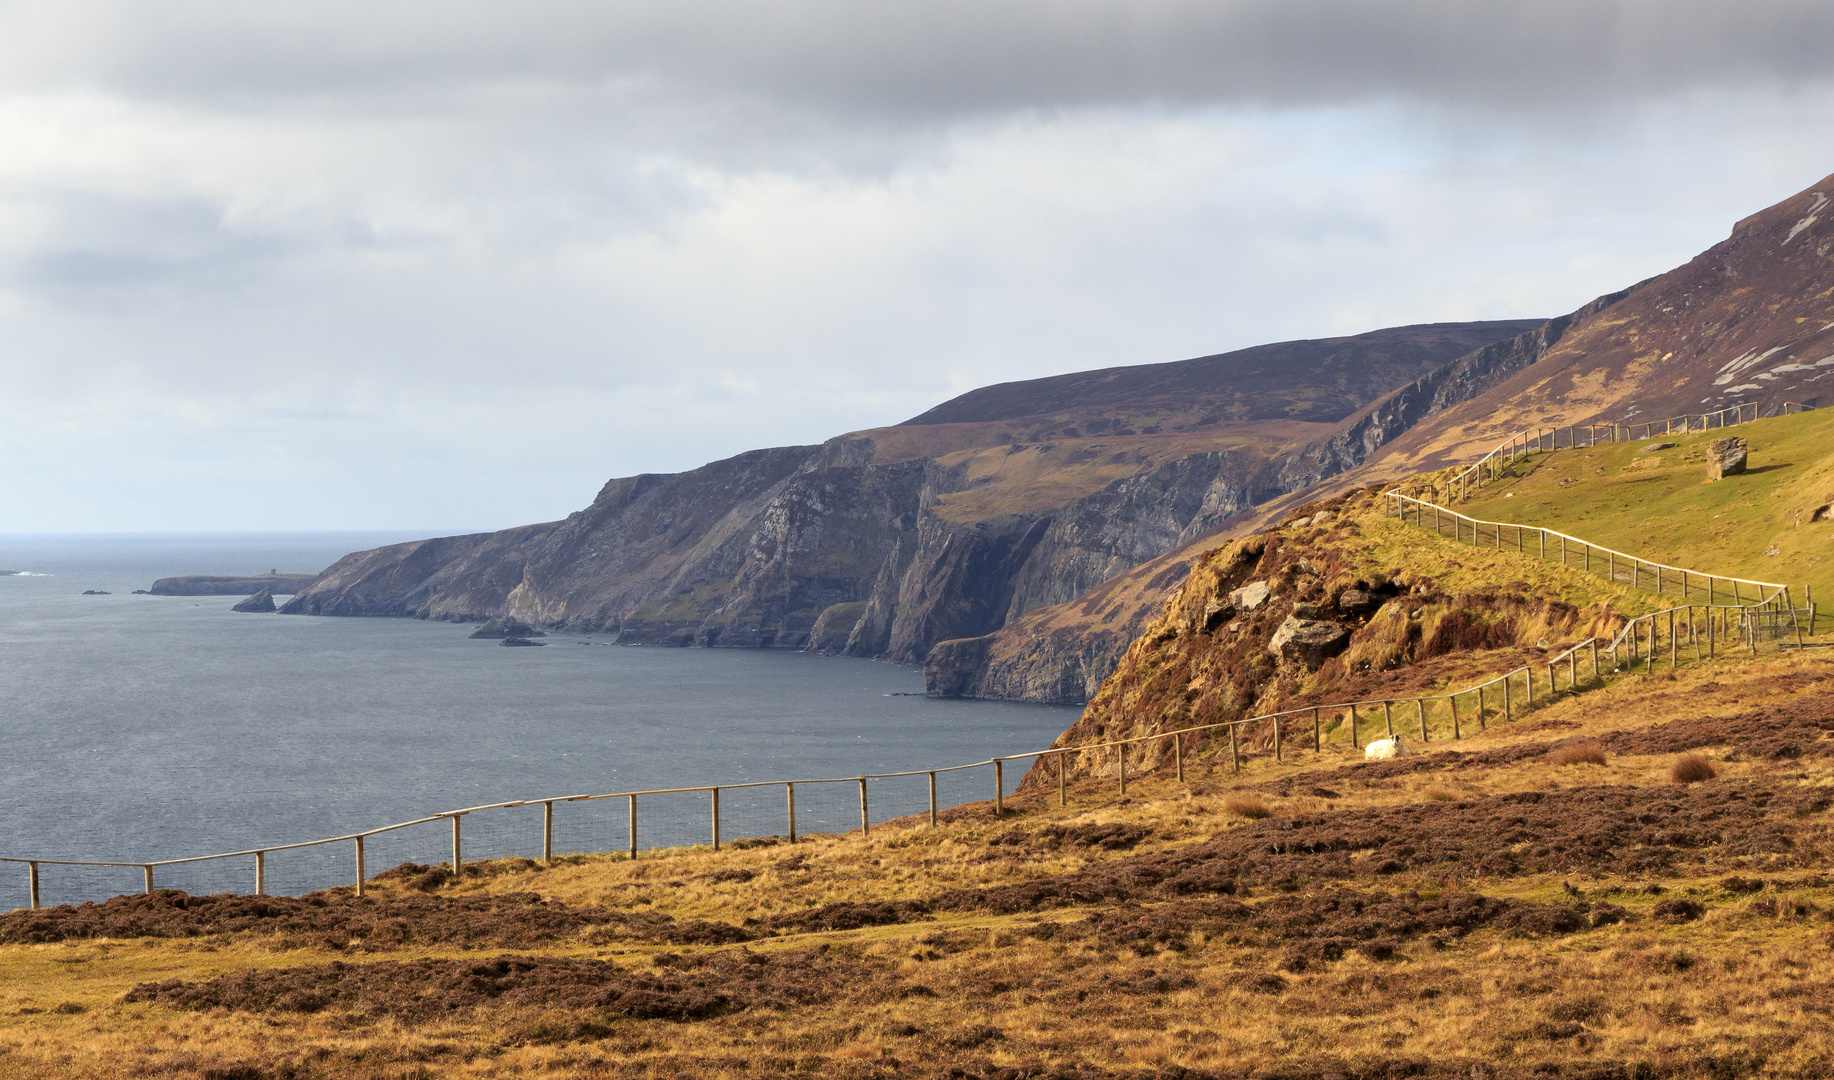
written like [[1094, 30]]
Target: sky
[[450, 266]]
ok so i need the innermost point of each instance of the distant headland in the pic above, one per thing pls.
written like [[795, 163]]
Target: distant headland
[[219, 585]]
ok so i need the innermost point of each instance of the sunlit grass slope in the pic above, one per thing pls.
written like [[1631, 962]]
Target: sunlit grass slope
[[1660, 505]]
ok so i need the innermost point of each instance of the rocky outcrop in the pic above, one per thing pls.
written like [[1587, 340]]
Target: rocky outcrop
[[1308, 641], [262, 601], [1727, 457]]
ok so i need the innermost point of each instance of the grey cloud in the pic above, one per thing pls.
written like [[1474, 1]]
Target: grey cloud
[[942, 57]]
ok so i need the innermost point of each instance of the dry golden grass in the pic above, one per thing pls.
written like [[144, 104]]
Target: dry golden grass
[[1737, 990], [1588, 753], [1692, 769], [1247, 806]]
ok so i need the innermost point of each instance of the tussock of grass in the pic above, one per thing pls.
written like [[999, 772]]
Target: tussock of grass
[[1588, 753], [1247, 806], [1692, 769]]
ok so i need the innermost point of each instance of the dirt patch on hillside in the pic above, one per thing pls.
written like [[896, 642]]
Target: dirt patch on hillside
[[338, 919], [684, 988]]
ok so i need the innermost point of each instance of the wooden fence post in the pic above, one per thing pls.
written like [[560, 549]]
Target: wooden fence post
[[149, 879], [1317, 740], [1453, 698], [865, 817], [1674, 650], [359, 866], [1508, 708], [1178, 754], [933, 789], [260, 873], [1595, 658], [31, 874], [1277, 753], [716, 818], [458, 849], [1711, 651], [1354, 745], [999, 788], [633, 826], [1235, 752], [547, 832], [1388, 717], [789, 809], [1420, 704]]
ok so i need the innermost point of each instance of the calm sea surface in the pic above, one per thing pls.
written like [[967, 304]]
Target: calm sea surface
[[138, 728]]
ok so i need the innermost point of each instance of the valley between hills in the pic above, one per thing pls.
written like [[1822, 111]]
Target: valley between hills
[[1630, 877]]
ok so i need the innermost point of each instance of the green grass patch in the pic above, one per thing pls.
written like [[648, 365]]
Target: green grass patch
[[1659, 504]]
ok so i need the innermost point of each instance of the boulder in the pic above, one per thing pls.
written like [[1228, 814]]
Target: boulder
[[1726, 457], [1308, 641], [1216, 613], [521, 641], [1250, 596], [262, 601], [1357, 602], [506, 627]]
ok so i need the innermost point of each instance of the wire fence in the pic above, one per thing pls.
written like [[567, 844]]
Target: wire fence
[[633, 822], [1578, 436]]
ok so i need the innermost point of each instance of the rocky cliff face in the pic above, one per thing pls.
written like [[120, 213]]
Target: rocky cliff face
[[884, 542]]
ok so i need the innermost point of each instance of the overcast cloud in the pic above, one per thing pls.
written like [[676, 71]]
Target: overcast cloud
[[453, 265]]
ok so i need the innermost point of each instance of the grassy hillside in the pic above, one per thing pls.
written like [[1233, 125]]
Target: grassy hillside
[[1541, 899], [1659, 503]]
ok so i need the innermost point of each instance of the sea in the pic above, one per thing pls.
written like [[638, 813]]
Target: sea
[[136, 729]]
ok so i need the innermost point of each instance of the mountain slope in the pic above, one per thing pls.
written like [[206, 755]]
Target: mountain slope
[[883, 542], [1750, 321]]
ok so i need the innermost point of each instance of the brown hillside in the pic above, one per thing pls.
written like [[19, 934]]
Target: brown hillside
[[1750, 320]]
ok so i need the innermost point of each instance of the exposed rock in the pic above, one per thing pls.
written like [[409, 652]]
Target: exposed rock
[[506, 627], [142, 592], [1308, 641], [522, 642], [223, 585], [1822, 512], [1250, 596], [1726, 457], [1661, 446], [262, 601], [1357, 602], [96, 592]]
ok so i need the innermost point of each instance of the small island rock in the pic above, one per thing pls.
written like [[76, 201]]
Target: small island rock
[[521, 641], [262, 601]]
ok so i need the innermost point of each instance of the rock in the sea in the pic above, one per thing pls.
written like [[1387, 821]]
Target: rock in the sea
[[262, 601], [506, 627], [96, 592], [1308, 641], [520, 641], [1250, 596], [1726, 457]]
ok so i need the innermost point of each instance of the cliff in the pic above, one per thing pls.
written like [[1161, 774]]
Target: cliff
[[883, 542]]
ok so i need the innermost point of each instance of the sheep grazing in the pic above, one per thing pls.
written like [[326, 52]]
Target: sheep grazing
[[1383, 749]]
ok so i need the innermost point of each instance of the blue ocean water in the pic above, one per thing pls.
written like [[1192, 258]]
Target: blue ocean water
[[138, 728]]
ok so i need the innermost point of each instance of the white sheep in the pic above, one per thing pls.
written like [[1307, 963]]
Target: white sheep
[[1383, 749]]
